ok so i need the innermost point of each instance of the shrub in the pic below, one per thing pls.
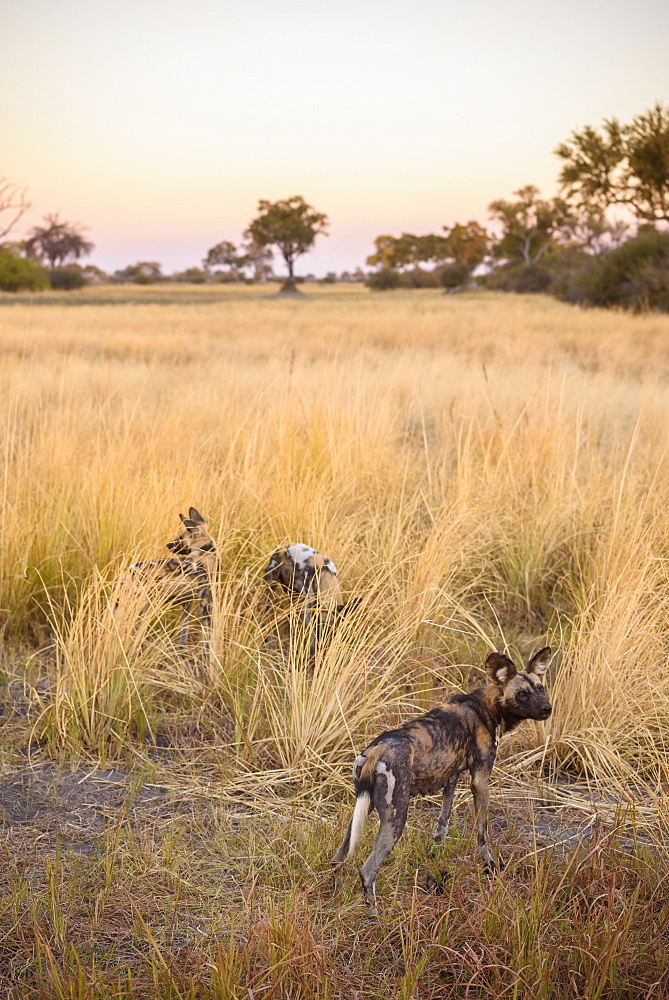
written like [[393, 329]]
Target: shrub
[[454, 275], [192, 275], [634, 276], [569, 269], [67, 278], [385, 280], [519, 278], [18, 273], [418, 278]]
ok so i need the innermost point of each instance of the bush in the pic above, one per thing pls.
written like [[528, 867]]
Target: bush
[[454, 275], [386, 280], [634, 276], [192, 275], [67, 278], [17, 273], [418, 278], [519, 278], [569, 269]]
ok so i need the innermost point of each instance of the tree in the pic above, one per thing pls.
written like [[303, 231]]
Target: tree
[[466, 244], [226, 254], [408, 250], [57, 242], [290, 225], [249, 255], [13, 204], [258, 260], [619, 164], [529, 226], [593, 233]]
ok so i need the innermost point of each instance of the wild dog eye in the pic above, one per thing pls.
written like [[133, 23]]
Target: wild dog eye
[[522, 694]]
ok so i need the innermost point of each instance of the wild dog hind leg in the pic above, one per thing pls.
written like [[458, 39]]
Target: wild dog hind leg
[[391, 798]]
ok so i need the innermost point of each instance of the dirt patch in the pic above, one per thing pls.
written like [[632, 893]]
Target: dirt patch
[[76, 806]]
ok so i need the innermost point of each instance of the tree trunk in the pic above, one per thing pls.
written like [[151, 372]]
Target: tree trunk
[[289, 285]]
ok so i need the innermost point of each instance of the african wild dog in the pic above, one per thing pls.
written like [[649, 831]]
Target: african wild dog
[[428, 754], [185, 577], [300, 569]]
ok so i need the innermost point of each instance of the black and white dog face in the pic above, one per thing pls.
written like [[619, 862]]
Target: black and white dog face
[[304, 570]]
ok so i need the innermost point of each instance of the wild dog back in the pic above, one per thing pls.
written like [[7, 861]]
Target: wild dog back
[[428, 754]]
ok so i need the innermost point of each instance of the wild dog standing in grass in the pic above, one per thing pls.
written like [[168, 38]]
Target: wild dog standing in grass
[[428, 754], [185, 578], [300, 569]]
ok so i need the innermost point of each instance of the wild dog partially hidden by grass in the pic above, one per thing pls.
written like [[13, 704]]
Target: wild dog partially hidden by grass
[[428, 754], [184, 579], [303, 570]]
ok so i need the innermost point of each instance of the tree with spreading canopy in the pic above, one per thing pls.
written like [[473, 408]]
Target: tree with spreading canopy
[[225, 254], [467, 244], [291, 225], [237, 260], [617, 164], [529, 225], [57, 242], [407, 250]]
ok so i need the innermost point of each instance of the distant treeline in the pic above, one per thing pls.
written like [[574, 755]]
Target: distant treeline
[[572, 246]]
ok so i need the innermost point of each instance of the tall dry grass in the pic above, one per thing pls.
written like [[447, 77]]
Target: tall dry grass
[[484, 470]]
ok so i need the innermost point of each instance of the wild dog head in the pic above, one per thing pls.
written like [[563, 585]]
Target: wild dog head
[[520, 694], [194, 541], [304, 570]]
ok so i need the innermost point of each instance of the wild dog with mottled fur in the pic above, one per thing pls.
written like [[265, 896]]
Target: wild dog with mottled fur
[[183, 579], [303, 570], [428, 754]]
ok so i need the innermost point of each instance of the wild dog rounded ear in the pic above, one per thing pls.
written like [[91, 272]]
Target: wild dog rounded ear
[[499, 668], [195, 515], [539, 662], [190, 525]]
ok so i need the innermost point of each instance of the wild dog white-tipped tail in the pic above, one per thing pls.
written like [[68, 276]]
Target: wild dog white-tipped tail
[[360, 814]]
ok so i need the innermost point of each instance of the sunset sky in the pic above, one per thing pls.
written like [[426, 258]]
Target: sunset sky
[[161, 124]]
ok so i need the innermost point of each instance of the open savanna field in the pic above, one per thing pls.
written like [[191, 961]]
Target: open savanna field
[[487, 472]]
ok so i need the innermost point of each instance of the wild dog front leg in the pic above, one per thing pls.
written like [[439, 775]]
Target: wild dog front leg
[[205, 606], [444, 820], [480, 787]]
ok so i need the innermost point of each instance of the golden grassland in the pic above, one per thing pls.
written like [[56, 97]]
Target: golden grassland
[[486, 471]]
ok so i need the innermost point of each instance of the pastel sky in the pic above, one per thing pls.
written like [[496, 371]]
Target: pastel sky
[[160, 124]]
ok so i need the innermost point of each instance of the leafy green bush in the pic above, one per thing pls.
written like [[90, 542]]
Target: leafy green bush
[[67, 278], [634, 276], [418, 278], [569, 269], [454, 275], [192, 275], [385, 280], [519, 278], [17, 273]]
